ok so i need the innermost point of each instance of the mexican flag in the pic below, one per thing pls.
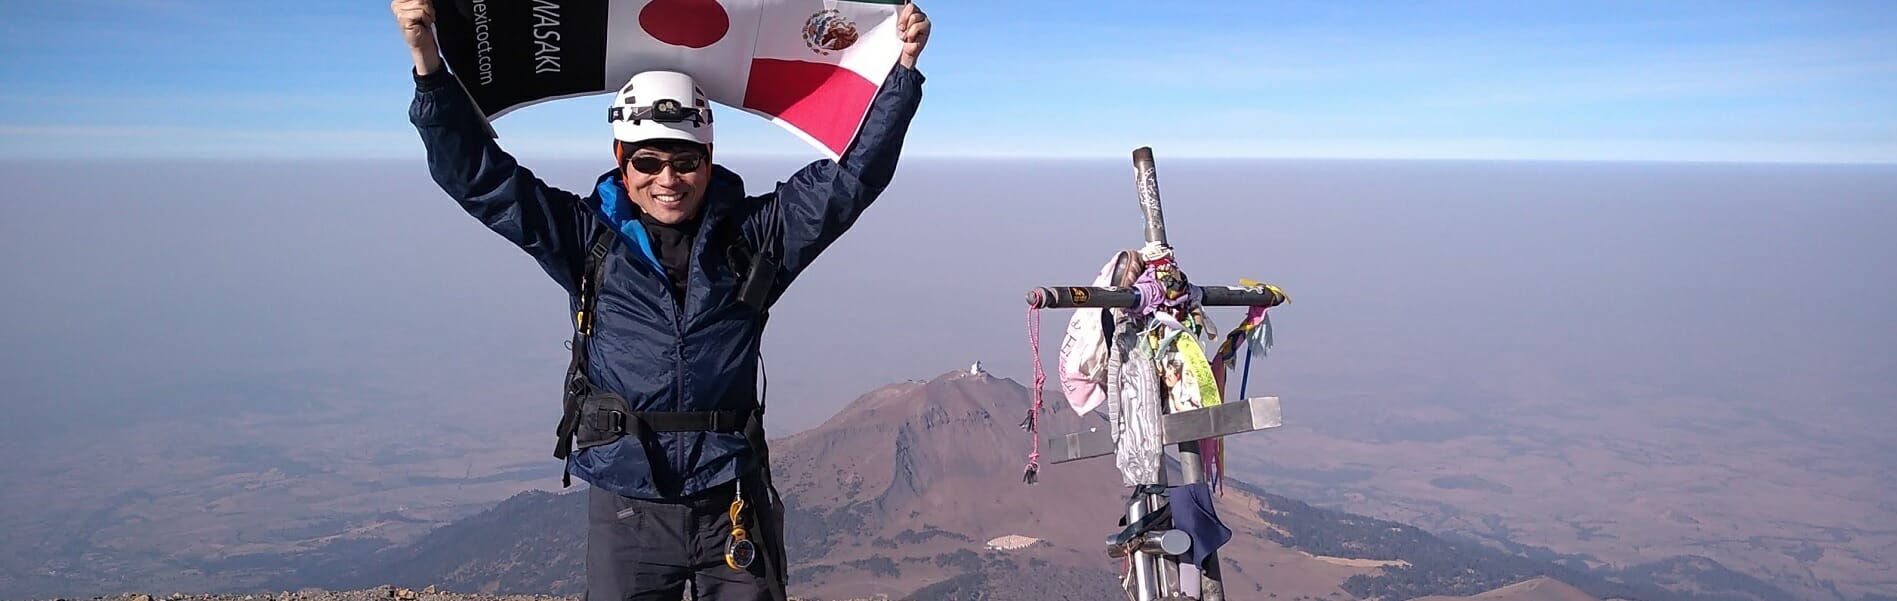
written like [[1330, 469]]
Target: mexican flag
[[810, 66]]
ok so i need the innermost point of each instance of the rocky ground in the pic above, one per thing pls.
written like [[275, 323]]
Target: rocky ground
[[382, 593]]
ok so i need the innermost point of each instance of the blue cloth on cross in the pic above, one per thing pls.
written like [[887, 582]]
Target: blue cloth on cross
[[1192, 512]]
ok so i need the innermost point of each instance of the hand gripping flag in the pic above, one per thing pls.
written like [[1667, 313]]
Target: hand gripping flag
[[810, 66]]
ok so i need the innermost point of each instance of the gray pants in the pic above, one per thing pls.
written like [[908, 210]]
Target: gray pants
[[638, 550]]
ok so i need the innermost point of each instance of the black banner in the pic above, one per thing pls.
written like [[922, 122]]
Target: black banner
[[510, 53]]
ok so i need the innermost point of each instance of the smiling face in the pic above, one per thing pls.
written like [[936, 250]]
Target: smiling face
[[668, 181]]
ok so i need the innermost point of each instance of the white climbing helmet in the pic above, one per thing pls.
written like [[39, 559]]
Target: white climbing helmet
[[660, 105]]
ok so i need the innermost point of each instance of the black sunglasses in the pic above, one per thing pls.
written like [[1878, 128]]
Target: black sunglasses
[[650, 165]]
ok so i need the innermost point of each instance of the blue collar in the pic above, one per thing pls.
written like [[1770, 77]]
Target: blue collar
[[618, 211]]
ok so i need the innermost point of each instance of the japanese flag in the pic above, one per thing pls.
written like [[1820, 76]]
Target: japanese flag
[[810, 66]]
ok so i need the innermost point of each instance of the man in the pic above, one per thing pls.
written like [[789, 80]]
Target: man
[[670, 268]]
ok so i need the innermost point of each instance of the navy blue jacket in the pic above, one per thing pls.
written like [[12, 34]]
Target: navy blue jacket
[[645, 347]]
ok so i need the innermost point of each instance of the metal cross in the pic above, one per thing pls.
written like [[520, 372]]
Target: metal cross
[[1156, 553]]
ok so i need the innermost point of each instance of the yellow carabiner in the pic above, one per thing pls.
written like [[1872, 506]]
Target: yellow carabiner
[[739, 553]]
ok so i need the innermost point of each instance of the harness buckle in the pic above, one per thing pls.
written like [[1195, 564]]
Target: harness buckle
[[611, 421]]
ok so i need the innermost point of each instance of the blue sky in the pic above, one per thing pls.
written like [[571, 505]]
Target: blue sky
[[1687, 81]]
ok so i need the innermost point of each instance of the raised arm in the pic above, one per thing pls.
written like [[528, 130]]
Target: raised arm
[[466, 162]]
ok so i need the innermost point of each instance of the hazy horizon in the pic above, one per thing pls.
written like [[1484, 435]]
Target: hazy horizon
[[1772, 266], [353, 314]]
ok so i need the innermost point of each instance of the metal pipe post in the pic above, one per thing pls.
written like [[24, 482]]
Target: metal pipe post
[[1144, 580], [1165, 567], [1096, 297], [1146, 179]]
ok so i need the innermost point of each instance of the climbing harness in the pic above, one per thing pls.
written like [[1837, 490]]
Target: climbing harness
[[592, 416]]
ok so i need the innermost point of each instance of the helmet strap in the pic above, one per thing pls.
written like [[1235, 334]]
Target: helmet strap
[[619, 163]]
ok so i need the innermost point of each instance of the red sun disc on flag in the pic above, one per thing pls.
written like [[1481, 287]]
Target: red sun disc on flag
[[688, 23]]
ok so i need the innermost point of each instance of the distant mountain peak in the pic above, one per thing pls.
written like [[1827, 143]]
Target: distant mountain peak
[[951, 395], [914, 491]]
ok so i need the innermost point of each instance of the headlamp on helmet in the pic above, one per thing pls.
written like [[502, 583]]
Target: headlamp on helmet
[[660, 105]]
